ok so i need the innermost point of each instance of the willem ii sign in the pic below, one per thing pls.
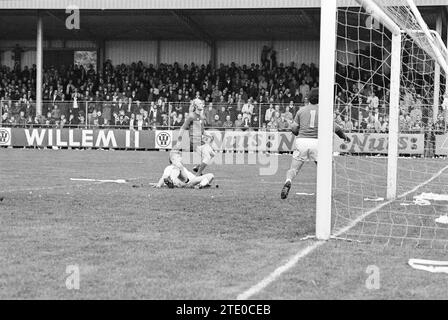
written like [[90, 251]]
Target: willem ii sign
[[82, 138], [362, 143]]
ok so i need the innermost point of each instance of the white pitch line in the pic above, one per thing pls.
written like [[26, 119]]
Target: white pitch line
[[93, 183], [306, 251], [44, 188], [119, 181]]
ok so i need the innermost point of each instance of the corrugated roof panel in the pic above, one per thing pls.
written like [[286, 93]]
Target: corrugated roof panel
[[131, 51], [184, 52], [297, 51], [240, 52], [247, 52], [80, 44], [180, 4], [29, 58]]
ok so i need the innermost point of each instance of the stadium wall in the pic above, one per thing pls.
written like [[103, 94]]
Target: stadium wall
[[29, 55], [184, 52], [131, 51], [240, 52], [247, 52]]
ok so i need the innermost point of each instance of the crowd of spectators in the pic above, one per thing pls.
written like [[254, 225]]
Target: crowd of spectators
[[362, 101], [139, 96]]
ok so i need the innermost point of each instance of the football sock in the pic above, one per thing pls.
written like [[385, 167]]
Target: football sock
[[201, 169]]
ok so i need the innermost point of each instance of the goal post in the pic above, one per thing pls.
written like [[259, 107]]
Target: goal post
[[326, 98], [394, 101], [403, 35], [394, 110], [327, 60]]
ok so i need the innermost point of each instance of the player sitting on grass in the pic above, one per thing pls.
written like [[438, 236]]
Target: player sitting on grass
[[199, 141], [305, 128], [173, 177]]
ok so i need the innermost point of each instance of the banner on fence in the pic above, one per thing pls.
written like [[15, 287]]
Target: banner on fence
[[78, 138], [163, 139], [377, 143], [5, 136], [362, 143], [442, 145], [228, 140], [237, 140]]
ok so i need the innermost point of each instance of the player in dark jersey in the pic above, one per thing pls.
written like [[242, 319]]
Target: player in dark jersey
[[305, 128], [195, 126]]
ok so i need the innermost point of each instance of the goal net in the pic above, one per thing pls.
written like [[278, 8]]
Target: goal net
[[418, 216]]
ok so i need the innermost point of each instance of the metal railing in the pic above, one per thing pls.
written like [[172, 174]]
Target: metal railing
[[169, 115]]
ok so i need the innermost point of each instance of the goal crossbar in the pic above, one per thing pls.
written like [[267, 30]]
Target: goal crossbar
[[437, 48]]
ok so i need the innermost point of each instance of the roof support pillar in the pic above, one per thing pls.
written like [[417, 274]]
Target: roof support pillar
[[101, 55], [39, 63]]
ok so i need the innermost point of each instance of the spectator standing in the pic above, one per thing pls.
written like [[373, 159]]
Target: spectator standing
[[210, 113], [416, 113], [155, 115], [216, 123], [348, 125], [304, 89], [288, 115], [269, 113], [373, 101], [100, 119], [56, 113], [239, 121], [228, 123], [283, 123], [378, 124], [248, 109], [107, 112]]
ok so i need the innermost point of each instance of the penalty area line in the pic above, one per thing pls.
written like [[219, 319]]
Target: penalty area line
[[292, 262]]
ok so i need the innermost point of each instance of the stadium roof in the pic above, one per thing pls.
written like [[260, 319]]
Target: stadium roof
[[180, 4], [297, 20]]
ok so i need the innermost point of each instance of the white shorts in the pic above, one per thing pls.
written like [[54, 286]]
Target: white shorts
[[305, 149], [195, 180], [206, 152]]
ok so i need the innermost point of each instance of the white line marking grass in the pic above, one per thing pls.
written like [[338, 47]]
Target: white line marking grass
[[257, 288], [93, 183], [119, 181]]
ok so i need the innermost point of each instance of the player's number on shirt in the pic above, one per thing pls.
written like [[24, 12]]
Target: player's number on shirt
[[312, 119]]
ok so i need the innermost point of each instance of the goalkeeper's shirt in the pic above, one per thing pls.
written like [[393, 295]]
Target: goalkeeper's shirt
[[307, 118]]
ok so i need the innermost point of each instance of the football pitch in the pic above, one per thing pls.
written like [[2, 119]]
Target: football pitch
[[142, 243]]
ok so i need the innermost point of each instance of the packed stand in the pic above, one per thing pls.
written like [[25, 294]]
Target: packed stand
[[142, 97], [362, 102]]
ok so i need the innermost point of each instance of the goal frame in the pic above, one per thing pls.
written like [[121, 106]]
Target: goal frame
[[328, 43]]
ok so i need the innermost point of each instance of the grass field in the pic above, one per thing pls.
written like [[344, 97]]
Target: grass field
[[143, 243]]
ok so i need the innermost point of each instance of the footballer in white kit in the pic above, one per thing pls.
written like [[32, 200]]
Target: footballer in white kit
[[305, 127], [174, 177]]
